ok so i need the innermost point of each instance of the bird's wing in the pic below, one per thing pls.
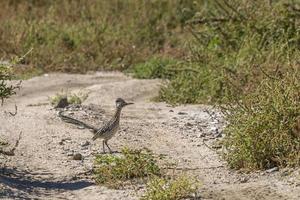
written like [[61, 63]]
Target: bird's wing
[[104, 129], [76, 122]]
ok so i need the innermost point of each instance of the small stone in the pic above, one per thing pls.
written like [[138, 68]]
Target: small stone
[[77, 156], [70, 153], [189, 124], [274, 169], [182, 113], [244, 180]]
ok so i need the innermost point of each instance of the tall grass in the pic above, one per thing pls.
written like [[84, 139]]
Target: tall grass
[[77, 36], [236, 43]]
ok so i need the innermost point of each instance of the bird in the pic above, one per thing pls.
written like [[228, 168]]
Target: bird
[[107, 131]]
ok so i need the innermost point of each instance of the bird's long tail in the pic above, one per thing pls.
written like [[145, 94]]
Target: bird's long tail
[[71, 120]]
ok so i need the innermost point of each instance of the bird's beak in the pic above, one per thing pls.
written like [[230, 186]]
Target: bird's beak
[[128, 104]]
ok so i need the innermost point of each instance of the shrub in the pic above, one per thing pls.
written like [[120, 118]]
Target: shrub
[[6, 89], [263, 129], [235, 44], [170, 189], [113, 170], [72, 98]]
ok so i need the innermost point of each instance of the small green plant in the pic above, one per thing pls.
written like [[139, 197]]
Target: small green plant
[[77, 98], [72, 98], [155, 67], [6, 89], [113, 170], [263, 129], [170, 189]]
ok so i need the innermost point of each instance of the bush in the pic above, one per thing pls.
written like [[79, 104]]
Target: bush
[[72, 98], [264, 127], [235, 44], [114, 170], [6, 89], [174, 189]]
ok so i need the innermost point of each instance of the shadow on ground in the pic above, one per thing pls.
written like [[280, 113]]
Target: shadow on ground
[[23, 184]]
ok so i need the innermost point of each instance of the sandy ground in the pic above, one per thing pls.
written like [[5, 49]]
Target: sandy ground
[[43, 167]]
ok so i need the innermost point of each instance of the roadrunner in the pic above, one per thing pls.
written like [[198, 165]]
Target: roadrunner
[[108, 130]]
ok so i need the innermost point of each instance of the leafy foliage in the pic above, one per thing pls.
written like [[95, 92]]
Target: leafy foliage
[[72, 98], [114, 170], [174, 189], [6, 89], [264, 127]]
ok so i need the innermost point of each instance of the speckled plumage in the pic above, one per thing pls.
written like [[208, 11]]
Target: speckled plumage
[[107, 131]]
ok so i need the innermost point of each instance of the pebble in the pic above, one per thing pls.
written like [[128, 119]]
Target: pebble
[[86, 143], [189, 124], [77, 156], [182, 113], [244, 180]]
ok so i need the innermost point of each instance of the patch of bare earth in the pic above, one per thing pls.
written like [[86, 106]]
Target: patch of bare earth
[[44, 168]]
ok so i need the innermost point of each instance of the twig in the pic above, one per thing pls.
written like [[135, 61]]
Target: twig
[[12, 151], [16, 111]]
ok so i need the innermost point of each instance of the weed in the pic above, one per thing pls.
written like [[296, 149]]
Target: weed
[[113, 170], [77, 98], [170, 189], [72, 98], [6, 89], [263, 128]]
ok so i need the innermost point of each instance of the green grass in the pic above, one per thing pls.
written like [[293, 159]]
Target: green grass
[[171, 189], [116, 170], [6, 88], [263, 129], [73, 98], [155, 67], [80, 36]]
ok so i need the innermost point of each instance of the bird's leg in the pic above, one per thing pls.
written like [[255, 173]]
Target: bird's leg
[[103, 146], [108, 146]]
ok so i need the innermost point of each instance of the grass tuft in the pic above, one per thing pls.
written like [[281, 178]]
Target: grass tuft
[[114, 170], [171, 189], [73, 98]]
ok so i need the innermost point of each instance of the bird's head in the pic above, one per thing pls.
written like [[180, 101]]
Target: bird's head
[[120, 103]]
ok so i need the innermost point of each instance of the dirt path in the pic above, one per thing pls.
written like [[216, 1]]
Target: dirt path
[[43, 169]]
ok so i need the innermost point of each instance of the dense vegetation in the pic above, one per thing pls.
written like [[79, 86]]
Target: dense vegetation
[[240, 54], [77, 36]]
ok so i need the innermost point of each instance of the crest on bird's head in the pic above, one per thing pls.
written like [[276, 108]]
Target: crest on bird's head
[[120, 103]]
